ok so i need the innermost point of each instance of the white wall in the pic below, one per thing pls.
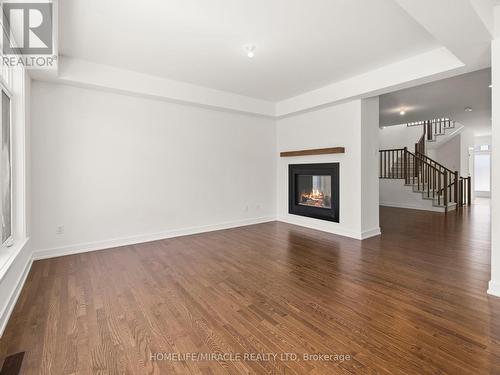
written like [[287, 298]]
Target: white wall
[[114, 169], [400, 136], [482, 140], [394, 193], [449, 153], [339, 125], [467, 142]]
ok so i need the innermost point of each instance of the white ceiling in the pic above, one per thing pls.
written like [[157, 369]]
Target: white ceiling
[[301, 44], [444, 98]]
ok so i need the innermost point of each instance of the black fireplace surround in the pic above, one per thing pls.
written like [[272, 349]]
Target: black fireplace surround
[[314, 190]]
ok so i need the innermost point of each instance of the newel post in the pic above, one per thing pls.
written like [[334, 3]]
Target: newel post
[[462, 192], [405, 164], [456, 189], [469, 191], [445, 197]]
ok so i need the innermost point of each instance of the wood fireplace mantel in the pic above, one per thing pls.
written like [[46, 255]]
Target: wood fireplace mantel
[[314, 151]]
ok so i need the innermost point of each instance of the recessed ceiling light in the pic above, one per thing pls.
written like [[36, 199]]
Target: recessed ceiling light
[[402, 112], [250, 51], [490, 86], [468, 109]]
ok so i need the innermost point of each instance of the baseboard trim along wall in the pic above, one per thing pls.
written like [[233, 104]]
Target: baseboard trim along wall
[[371, 233], [483, 194], [108, 244], [312, 224], [494, 288]]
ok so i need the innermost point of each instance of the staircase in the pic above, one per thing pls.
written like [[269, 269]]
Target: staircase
[[433, 181]]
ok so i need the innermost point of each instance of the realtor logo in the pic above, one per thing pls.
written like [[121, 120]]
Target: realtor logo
[[28, 39], [30, 28]]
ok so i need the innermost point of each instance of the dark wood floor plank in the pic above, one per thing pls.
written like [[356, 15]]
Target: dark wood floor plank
[[411, 301]]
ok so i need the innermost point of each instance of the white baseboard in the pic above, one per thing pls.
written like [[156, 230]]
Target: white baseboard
[[482, 194], [11, 302], [494, 288], [412, 207], [108, 244], [371, 233], [328, 227]]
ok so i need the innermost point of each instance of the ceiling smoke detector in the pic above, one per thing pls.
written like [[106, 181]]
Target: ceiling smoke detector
[[468, 109], [250, 51]]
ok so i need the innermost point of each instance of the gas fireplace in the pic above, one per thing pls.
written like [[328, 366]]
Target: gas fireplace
[[314, 190]]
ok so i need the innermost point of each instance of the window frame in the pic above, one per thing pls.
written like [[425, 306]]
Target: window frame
[[4, 89]]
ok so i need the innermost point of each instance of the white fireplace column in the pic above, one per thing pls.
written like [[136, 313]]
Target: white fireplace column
[[370, 199]]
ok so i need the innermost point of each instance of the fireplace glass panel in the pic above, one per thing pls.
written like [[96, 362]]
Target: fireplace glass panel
[[314, 191]]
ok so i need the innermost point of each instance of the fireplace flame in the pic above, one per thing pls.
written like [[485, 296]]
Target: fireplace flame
[[313, 195]]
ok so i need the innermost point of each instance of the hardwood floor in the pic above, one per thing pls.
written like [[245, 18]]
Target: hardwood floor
[[412, 301]]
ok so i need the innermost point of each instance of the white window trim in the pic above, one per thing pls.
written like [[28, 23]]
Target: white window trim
[[19, 124], [9, 242]]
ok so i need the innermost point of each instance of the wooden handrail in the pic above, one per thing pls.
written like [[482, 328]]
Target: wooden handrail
[[393, 149], [432, 161], [396, 151], [424, 161], [428, 176]]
